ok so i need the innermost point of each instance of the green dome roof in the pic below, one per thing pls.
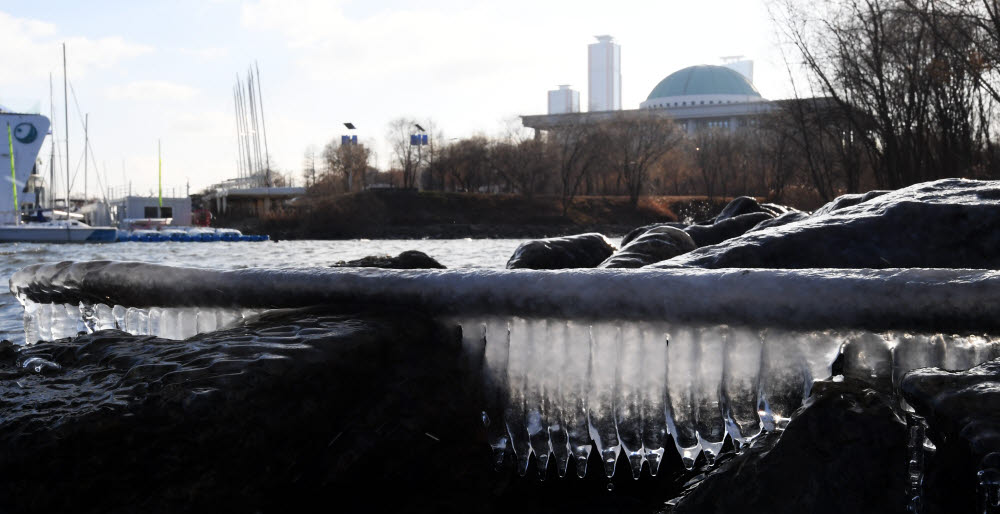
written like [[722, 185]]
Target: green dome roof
[[703, 80]]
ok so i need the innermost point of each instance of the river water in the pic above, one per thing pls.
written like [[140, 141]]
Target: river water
[[453, 253]]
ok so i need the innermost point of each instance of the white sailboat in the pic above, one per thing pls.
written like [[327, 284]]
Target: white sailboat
[[23, 135]]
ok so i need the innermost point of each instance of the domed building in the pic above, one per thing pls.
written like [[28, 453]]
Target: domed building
[[702, 85], [696, 98]]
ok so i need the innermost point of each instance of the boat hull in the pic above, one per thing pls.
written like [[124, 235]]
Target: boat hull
[[28, 234]]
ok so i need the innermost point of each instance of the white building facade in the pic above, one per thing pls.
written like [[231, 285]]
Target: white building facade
[[604, 84], [564, 100]]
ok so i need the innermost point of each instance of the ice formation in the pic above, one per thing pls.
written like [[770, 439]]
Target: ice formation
[[623, 363], [633, 388], [48, 322]]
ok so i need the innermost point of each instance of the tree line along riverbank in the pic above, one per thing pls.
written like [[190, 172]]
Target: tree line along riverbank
[[411, 214]]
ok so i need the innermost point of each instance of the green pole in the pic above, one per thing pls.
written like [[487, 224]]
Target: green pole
[[13, 175]]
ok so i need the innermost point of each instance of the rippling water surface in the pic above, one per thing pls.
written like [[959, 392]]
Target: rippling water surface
[[453, 253]]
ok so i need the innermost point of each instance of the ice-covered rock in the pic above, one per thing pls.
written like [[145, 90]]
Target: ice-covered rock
[[295, 410], [845, 450], [848, 200], [948, 223], [636, 232], [720, 231], [410, 259], [656, 244], [739, 206], [781, 219], [962, 410], [579, 251]]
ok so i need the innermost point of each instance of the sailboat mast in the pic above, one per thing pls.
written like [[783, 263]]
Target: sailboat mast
[[66, 118], [52, 156], [263, 125], [86, 144]]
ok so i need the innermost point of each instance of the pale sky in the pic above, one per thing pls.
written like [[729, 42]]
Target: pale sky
[[165, 70]]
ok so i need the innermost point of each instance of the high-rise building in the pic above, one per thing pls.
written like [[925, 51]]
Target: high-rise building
[[740, 65], [564, 100], [604, 85]]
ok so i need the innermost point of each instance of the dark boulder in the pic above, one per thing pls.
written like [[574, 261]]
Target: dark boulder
[[843, 451], [410, 259], [579, 251], [740, 205], [848, 200], [782, 219], [962, 412], [720, 231], [294, 409], [777, 209], [655, 245], [950, 223], [636, 232]]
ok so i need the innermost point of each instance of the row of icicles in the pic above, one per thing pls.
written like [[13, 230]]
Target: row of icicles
[[560, 389]]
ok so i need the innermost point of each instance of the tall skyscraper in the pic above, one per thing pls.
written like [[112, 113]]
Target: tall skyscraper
[[564, 100], [604, 85]]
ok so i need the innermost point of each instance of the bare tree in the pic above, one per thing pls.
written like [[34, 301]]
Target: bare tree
[[346, 166], [576, 149], [404, 154], [636, 143], [309, 165]]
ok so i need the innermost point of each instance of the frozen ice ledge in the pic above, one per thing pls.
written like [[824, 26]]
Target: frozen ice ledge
[[621, 362]]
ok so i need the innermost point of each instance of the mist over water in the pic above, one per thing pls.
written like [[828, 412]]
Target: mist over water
[[453, 253]]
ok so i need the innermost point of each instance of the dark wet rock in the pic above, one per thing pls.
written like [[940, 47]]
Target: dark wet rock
[[844, 451], [579, 251], [655, 245], [718, 232], [781, 219], [962, 412], [294, 409], [636, 232], [848, 200], [410, 259], [740, 205], [777, 209], [300, 410], [948, 223]]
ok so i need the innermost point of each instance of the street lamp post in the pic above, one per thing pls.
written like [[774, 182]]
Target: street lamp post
[[418, 140]]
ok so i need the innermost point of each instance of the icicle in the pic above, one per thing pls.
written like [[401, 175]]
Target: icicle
[[518, 358], [573, 384], [553, 359], [187, 323], [915, 469], [495, 386], [227, 318], [784, 377], [914, 351], [867, 357], [654, 391], [628, 396], [709, 422], [33, 325], [681, 377], [206, 321], [118, 312], [105, 317], [600, 398], [741, 384], [535, 399]]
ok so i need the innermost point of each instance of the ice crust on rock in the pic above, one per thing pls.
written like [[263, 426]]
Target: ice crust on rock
[[49, 322], [566, 388]]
